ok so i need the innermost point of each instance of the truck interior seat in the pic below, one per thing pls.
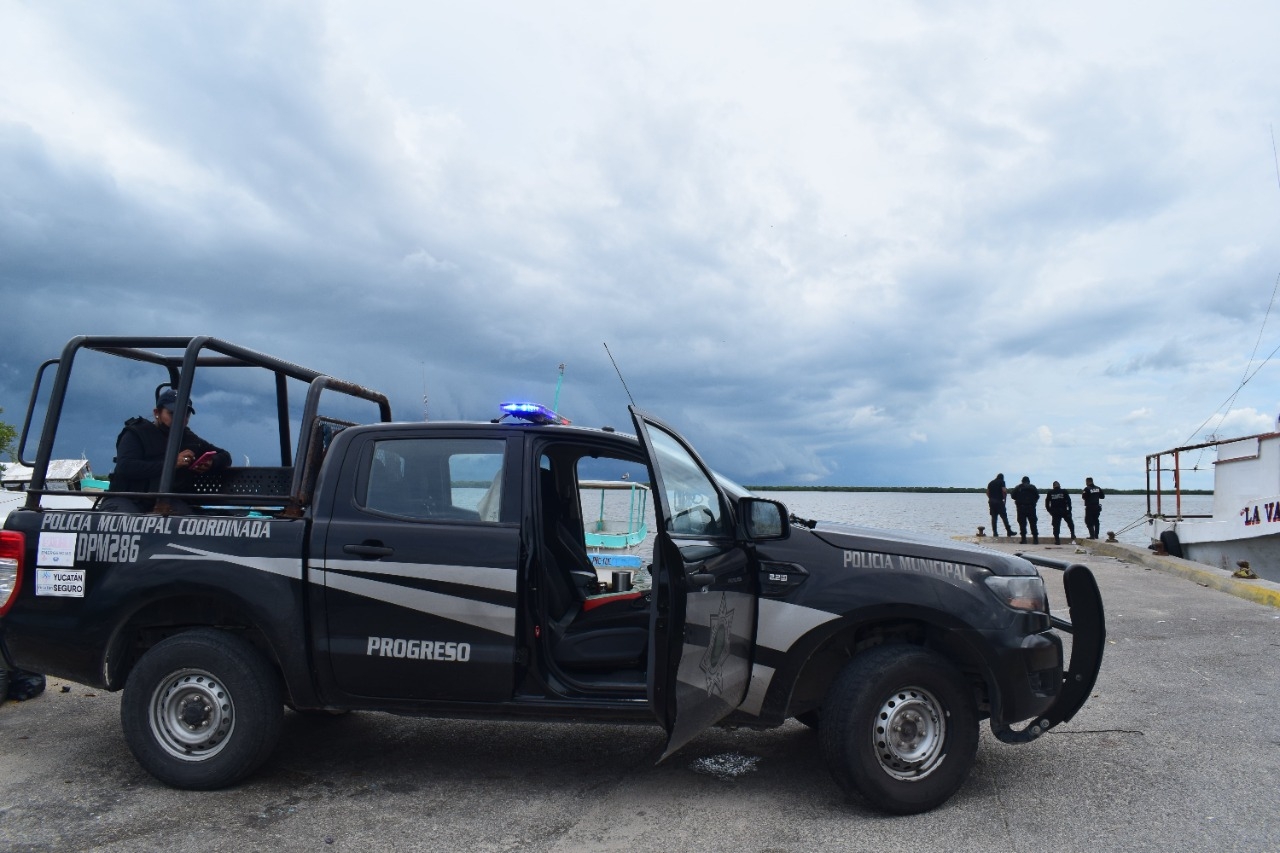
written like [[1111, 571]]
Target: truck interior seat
[[611, 636]]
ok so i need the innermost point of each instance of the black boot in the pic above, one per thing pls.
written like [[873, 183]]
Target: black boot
[[1057, 540], [1024, 540], [1035, 539]]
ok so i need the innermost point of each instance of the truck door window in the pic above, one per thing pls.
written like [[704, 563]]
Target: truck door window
[[434, 479], [693, 501]]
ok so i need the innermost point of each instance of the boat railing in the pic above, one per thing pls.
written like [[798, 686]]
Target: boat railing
[[1170, 462], [616, 532]]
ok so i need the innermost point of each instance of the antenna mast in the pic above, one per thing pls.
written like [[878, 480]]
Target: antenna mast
[[555, 405], [619, 372], [424, 392]]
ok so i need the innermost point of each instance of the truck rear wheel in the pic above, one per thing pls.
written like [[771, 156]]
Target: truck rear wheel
[[202, 709], [899, 729]]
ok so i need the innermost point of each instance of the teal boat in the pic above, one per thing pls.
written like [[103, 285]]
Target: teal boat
[[611, 529]]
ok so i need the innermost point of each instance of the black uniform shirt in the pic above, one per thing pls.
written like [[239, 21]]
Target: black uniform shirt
[[1058, 502], [140, 457]]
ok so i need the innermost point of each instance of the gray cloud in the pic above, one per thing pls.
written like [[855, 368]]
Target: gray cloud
[[874, 251]]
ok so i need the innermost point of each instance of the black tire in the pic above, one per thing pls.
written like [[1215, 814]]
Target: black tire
[[918, 694], [202, 710], [1172, 546]]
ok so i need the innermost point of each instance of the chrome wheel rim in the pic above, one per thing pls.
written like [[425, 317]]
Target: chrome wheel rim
[[909, 733], [192, 715]]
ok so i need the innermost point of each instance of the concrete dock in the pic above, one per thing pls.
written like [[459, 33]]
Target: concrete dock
[[1257, 590]]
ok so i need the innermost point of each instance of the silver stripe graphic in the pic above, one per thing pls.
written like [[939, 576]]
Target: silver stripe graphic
[[485, 577], [780, 624], [479, 614], [289, 567], [761, 676]]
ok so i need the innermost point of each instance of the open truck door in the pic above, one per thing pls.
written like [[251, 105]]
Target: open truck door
[[704, 619]]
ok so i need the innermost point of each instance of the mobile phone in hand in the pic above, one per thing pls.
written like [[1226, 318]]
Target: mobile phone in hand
[[207, 456]]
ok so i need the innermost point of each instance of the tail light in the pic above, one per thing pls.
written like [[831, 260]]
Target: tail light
[[12, 548]]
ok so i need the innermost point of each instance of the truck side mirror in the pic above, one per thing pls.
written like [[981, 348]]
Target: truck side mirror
[[764, 519]]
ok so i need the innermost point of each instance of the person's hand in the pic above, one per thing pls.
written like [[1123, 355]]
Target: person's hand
[[201, 467], [185, 457]]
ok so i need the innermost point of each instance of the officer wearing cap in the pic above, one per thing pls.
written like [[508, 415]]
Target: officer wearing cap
[[140, 449]]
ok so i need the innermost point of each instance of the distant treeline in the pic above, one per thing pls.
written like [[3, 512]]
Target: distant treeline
[[945, 490]]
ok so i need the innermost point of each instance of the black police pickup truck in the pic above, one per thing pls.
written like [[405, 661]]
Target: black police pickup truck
[[439, 569]]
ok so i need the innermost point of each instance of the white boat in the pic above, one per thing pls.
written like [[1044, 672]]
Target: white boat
[[1245, 524], [63, 475]]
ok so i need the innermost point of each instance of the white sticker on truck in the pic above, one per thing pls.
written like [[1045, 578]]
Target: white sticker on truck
[[64, 582], [56, 549]]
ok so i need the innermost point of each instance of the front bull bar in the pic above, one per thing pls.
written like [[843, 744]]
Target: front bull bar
[[1088, 632]]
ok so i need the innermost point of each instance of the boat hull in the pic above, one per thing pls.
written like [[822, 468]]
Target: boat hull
[[1210, 543], [1262, 554]]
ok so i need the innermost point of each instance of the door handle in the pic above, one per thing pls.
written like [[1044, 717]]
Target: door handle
[[368, 550], [701, 578]]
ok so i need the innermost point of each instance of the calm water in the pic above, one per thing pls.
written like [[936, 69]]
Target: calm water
[[960, 514], [941, 514]]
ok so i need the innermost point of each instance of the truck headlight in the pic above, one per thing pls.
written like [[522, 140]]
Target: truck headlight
[[1025, 592]]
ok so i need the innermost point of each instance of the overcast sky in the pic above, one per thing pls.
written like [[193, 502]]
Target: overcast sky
[[833, 243]]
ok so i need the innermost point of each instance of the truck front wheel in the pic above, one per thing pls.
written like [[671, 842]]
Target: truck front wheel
[[899, 728], [202, 709]]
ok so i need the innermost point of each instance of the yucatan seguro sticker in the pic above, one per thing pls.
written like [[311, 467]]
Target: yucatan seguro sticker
[[65, 582], [56, 549]]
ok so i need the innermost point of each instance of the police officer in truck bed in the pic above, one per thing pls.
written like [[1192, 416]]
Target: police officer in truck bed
[[140, 458]]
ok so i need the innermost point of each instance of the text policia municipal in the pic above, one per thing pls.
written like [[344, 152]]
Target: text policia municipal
[[897, 562], [183, 525]]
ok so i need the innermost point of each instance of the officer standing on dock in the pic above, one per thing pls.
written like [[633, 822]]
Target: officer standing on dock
[[996, 495], [1058, 502], [1092, 496], [1026, 497]]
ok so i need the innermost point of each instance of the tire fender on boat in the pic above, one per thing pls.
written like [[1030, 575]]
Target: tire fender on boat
[[1169, 539]]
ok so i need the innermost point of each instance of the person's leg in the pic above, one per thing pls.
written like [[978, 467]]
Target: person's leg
[[114, 503]]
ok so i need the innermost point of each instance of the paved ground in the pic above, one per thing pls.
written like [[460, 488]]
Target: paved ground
[[1179, 749]]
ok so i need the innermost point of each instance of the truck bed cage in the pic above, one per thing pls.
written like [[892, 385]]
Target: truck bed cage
[[235, 486]]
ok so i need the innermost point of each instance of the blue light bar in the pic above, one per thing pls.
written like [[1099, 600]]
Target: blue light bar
[[533, 413]]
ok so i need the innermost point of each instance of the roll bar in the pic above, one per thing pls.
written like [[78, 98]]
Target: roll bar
[[189, 353]]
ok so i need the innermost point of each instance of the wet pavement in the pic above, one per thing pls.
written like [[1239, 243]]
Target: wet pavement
[[1178, 749]]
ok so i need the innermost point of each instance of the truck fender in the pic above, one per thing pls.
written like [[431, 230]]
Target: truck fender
[[803, 671]]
